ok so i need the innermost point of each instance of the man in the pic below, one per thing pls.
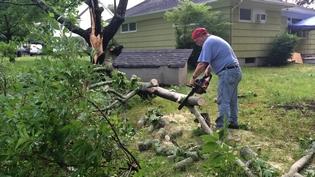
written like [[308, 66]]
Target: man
[[217, 56]]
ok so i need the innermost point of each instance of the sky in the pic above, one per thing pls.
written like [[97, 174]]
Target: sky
[[85, 18]]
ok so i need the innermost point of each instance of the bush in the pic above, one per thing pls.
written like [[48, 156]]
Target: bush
[[47, 125], [189, 15], [281, 49], [8, 50]]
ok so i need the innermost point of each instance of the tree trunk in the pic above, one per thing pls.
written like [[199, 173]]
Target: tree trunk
[[298, 165], [97, 37], [174, 96]]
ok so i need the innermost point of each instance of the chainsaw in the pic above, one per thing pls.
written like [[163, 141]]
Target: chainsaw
[[200, 86]]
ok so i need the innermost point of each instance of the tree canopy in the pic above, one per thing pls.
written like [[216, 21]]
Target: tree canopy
[[41, 12], [18, 19], [189, 15], [304, 2]]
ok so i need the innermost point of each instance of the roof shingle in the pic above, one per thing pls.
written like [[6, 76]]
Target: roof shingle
[[172, 58], [151, 6]]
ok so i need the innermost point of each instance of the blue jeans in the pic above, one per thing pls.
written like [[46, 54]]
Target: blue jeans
[[227, 96]]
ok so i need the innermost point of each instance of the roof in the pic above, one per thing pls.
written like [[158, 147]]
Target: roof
[[306, 24], [298, 12], [275, 2], [153, 6], [172, 58]]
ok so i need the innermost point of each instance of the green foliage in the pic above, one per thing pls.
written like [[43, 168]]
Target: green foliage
[[21, 22], [220, 158], [48, 125], [65, 47], [281, 49], [153, 117], [150, 166], [8, 50], [17, 21], [263, 169], [189, 15], [305, 143], [3, 80]]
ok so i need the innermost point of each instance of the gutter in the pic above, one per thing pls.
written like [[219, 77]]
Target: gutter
[[164, 10], [285, 4]]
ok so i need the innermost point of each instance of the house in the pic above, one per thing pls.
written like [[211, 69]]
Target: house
[[168, 66], [301, 21], [254, 25]]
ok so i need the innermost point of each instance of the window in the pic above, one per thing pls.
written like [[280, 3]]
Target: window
[[263, 17], [245, 14], [250, 60], [129, 27], [302, 34]]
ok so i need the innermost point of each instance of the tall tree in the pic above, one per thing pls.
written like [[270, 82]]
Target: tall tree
[[65, 13], [304, 2], [97, 36], [189, 15], [16, 19]]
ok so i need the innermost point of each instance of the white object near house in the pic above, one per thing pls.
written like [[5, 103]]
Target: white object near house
[[36, 49], [168, 66]]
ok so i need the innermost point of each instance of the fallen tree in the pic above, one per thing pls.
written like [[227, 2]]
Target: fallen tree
[[300, 164], [153, 88], [191, 104]]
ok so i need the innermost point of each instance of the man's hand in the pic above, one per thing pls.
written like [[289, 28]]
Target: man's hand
[[208, 71], [192, 82]]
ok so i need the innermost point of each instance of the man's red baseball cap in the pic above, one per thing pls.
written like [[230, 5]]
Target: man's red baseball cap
[[198, 32]]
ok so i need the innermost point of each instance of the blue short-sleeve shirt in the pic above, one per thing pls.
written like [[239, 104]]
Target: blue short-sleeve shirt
[[218, 53]]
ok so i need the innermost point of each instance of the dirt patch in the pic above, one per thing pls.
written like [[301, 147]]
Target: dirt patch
[[303, 106], [276, 150]]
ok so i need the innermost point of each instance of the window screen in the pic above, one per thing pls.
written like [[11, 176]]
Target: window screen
[[245, 14]]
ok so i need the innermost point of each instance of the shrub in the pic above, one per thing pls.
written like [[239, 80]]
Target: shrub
[[281, 49], [189, 15], [48, 126], [8, 50]]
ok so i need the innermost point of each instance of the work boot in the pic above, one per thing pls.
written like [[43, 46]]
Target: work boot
[[233, 126]]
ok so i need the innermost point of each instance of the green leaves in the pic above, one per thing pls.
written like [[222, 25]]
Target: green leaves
[[219, 156], [281, 49], [48, 127]]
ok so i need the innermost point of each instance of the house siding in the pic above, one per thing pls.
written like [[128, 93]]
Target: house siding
[[306, 46], [153, 33], [250, 39]]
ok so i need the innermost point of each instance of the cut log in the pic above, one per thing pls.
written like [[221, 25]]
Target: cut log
[[152, 83], [174, 96], [182, 165], [248, 172], [298, 165], [201, 120], [247, 153]]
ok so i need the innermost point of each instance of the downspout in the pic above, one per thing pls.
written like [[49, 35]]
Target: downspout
[[231, 17]]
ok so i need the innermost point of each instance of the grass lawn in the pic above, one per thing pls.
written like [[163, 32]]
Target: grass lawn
[[277, 134], [274, 115]]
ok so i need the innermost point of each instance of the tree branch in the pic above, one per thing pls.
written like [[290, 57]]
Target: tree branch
[[18, 4], [116, 137], [110, 30], [125, 98], [298, 165], [99, 84], [62, 20]]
